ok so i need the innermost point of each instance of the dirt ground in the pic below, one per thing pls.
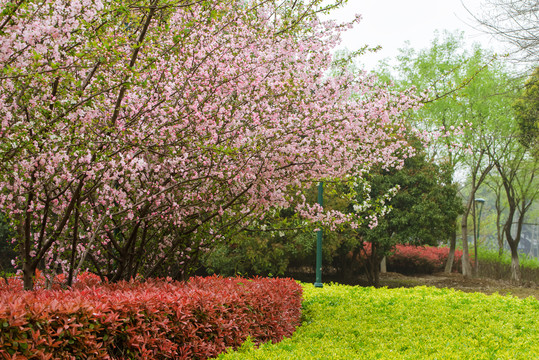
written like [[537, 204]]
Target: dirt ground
[[459, 282]]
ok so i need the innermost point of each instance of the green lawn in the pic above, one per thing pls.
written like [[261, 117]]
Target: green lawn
[[347, 322]]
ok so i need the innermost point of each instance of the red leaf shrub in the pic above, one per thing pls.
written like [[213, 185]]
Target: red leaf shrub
[[409, 259], [156, 319]]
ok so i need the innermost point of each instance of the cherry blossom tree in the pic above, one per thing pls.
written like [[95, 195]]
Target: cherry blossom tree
[[135, 134]]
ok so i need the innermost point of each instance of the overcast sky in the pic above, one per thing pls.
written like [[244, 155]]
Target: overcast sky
[[389, 23]]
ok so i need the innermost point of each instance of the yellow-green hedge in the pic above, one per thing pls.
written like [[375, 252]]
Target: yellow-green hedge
[[345, 322]]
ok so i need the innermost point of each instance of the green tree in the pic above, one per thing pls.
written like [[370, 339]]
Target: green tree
[[512, 150], [527, 111], [517, 171], [423, 211]]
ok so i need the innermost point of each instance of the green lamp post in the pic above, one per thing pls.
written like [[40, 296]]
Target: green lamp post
[[479, 202], [318, 282]]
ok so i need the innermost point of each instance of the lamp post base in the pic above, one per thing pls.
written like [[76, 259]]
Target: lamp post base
[[318, 285]]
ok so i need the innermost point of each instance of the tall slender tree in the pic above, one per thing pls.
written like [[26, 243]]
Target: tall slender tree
[[518, 174], [466, 101]]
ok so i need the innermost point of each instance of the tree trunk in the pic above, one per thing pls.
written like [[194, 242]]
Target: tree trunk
[[466, 268], [499, 227], [373, 266], [28, 275], [451, 255], [383, 265], [24, 250], [474, 221], [476, 182], [513, 241], [74, 244], [376, 272], [516, 276]]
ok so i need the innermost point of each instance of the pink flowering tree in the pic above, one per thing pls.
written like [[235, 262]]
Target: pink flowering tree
[[135, 134]]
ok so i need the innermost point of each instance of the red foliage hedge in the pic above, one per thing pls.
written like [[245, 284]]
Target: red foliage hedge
[[409, 259], [156, 319]]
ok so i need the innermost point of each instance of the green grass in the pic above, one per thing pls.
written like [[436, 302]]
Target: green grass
[[347, 322]]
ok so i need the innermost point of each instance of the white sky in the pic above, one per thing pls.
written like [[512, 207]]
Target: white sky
[[389, 23]]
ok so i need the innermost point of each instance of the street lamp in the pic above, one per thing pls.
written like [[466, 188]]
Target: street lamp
[[479, 202], [318, 282]]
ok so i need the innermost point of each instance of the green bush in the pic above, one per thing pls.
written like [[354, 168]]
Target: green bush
[[260, 253], [492, 255], [492, 265], [345, 322]]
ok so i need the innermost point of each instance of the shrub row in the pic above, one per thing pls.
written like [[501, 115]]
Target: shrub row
[[351, 322], [409, 259], [156, 319], [502, 271], [493, 255]]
